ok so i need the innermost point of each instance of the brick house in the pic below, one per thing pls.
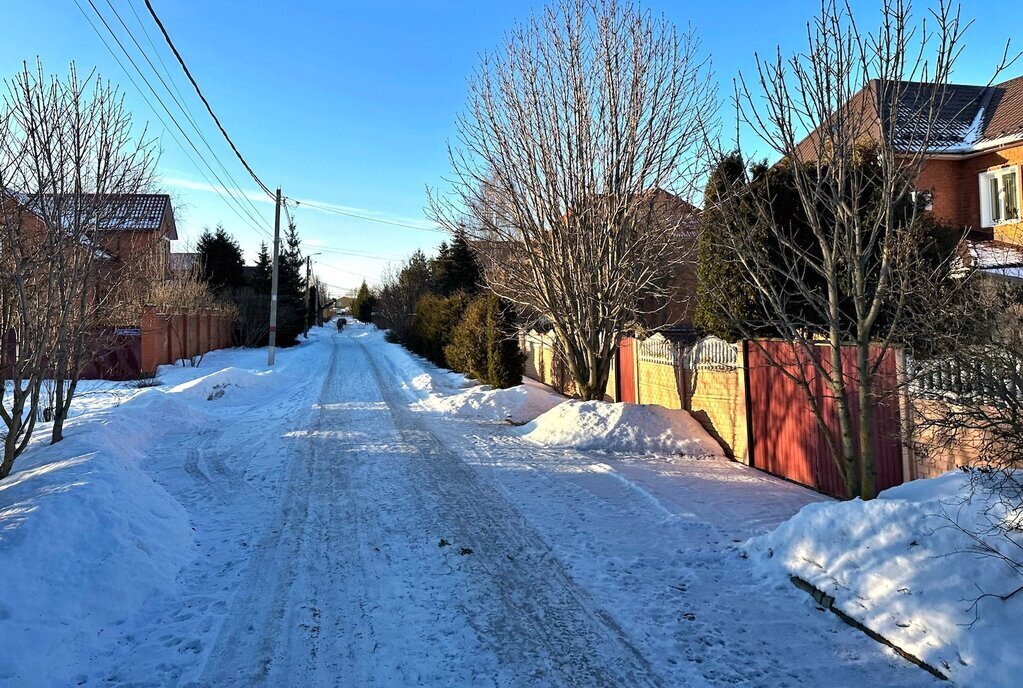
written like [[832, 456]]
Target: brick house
[[971, 178], [138, 228], [974, 180]]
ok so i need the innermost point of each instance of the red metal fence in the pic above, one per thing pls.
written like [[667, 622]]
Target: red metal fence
[[625, 368], [168, 337], [787, 439]]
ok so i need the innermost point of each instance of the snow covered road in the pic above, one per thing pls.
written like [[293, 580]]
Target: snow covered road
[[347, 534]]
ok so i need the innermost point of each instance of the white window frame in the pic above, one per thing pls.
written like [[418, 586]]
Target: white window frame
[[998, 175]]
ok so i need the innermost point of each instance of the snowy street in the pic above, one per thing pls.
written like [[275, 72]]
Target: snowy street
[[342, 532]]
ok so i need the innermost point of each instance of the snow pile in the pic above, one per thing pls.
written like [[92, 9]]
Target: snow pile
[[897, 565], [622, 428], [519, 404], [85, 536], [88, 530]]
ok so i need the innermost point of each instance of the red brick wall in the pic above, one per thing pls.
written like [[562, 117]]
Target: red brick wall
[[168, 337], [956, 188]]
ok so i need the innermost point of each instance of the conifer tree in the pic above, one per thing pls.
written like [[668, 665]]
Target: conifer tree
[[291, 295], [221, 259], [364, 304], [263, 273], [463, 270]]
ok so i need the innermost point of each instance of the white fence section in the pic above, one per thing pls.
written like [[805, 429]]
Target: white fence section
[[995, 375], [712, 353], [657, 349]]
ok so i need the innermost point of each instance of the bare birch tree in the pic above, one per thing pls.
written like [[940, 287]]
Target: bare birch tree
[[573, 134], [853, 118]]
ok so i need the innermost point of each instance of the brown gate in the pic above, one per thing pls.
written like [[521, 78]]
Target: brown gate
[[787, 439]]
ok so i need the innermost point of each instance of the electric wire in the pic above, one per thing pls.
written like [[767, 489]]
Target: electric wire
[[205, 102], [220, 188]]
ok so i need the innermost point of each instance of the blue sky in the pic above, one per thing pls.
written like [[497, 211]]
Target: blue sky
[[352, 103]]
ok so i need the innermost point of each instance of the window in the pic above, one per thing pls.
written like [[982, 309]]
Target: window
[[999, 196], [923, 200]]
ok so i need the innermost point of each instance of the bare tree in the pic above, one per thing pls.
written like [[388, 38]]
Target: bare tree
[[86, 159], [853, 118], [572, 138], [68, 156]]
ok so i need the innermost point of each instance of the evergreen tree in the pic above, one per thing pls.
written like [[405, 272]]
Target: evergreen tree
[[505, 361], [463, 272], [291, 296], [720, 298], [766, 199], [364, 304], [483, 344], [263, 274], [220, 257], [440, 268]]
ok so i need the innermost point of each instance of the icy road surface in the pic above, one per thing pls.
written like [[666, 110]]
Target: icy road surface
[[347, 535]]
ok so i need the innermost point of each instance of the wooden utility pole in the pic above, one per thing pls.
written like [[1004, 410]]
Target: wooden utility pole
[[273, 281], [308, 294]]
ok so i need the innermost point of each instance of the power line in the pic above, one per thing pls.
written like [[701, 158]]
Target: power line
[[176, 95], [264, 187], [357, 254], [205, 102], [348, 213], [339, 269], [217, 188]]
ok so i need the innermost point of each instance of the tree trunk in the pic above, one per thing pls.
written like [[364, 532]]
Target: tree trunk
[[847, 443], [589, 367], [868, 471], [62, 408]]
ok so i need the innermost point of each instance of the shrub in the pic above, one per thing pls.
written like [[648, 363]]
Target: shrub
[[483, 344], [467, 351], [434, 321]]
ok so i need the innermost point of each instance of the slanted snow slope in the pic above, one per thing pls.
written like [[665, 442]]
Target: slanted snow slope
[[519, 404], [621, 428], [897, 565]]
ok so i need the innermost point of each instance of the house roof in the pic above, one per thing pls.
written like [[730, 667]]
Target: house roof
[[970, 119], [138, 212], [121, 212]]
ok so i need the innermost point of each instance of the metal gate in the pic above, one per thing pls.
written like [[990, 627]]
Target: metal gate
[[625, 369], [787, 439]]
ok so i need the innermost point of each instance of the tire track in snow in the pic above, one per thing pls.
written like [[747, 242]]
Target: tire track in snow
[[543, 614], [247, 649]]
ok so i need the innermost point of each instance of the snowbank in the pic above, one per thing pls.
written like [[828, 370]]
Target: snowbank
[[897, 565], [88, 531], [624, 428], [519, 404]]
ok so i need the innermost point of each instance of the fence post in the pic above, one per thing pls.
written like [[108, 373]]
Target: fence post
[[747, 402], [905, 415], [148, 337]]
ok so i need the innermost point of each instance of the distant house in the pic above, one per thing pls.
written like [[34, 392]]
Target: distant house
[[183, 264], [674, 307]]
